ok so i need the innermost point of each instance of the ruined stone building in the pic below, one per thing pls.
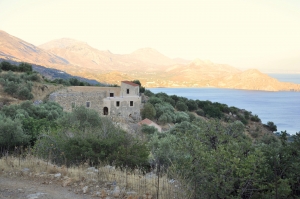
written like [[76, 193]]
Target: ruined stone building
[[123, 101]]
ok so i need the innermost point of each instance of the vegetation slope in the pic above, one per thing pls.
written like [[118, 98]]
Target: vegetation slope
[[210, 149]]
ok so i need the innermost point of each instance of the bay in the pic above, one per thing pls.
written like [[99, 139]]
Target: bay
[[293, 78], [282, 108]]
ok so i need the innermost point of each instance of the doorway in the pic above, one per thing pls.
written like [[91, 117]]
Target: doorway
[[105, 111]]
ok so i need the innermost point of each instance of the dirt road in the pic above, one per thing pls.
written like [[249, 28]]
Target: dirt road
[[17, 188]]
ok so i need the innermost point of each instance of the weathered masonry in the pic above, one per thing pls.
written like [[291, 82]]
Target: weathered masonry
[[121, 101]]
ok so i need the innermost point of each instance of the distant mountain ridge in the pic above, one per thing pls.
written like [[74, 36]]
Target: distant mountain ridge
[[148, 65]]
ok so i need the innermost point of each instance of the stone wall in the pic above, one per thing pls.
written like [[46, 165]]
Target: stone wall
[[99, 99], [123, 106], [70, 100]]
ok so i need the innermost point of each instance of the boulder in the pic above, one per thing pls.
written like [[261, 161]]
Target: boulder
[[85, 189], [116, 192]]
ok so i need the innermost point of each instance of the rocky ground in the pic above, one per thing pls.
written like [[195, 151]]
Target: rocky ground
[[25, 183], [16, 187]]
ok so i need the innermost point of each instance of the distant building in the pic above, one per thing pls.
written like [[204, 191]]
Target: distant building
[[121, 101], [150, 123]]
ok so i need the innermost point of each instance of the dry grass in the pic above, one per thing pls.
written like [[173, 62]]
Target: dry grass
[[100, 179], [40, 94]]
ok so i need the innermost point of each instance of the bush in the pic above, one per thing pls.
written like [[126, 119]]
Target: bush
[[148, 93], [31, 77], [11, 88], [148, 111], [82, 117], [192, 105], [24, 94], [162, 108], [255, 118], [150, 130], [202, 104], [142, 89], [182, 116], [212, 111], [25, 67], [11, 133], [191, 116], [242, 119], [181, 106], [272, 126], [6, 66], [200, 112], [247, 115], [81, 135], [18, 86], [165, 98], [154, 100]]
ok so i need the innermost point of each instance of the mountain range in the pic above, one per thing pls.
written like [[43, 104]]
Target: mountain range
[[148, 65]]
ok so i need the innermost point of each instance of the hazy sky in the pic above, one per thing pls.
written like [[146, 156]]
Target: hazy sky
[[263, 34]]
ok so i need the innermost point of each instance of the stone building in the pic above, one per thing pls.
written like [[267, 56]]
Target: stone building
[[123, 101]]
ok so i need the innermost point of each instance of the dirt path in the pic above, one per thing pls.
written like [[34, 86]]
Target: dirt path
[[17, 188]]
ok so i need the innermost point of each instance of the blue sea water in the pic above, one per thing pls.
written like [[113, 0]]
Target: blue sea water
[[282, 108], [293, 78]]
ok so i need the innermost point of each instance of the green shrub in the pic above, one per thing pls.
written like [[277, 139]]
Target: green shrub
[[182, 116], [154, 100], [31, 77], [191, 116], [181, 106], [165, 98], [247, 115], [149, 130], [25, 67], [272, 126], [212, 111], [242, 119], [192, 105], [255, 118], [11, 88], [81, 135], [24, 94], [200, 112], [148, 111], [11, 133], [162, 108], [148, 93]]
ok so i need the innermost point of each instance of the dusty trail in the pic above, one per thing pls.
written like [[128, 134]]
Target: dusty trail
[[17, 188]]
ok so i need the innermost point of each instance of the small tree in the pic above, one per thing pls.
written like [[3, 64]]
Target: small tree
[[148, 111], [272, 126], [142, 89], [25, 94], [25, 67], [181, 106], [192, 105]]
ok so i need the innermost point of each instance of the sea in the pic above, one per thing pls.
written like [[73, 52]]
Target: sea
[[282, 108]]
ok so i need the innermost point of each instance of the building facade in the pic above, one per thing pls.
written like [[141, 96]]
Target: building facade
[[123, 101]]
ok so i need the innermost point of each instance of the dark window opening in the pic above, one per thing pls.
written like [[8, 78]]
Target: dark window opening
[[88, 104], [127, 91], [111, 94], [117, 103], [131, 103], [105, 111]]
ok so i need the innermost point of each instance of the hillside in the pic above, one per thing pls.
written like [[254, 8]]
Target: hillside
[[253, 80], [16, 49], [96, 156], [148, 65]]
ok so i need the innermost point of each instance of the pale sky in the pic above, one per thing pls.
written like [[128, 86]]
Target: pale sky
[[262, 34]]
